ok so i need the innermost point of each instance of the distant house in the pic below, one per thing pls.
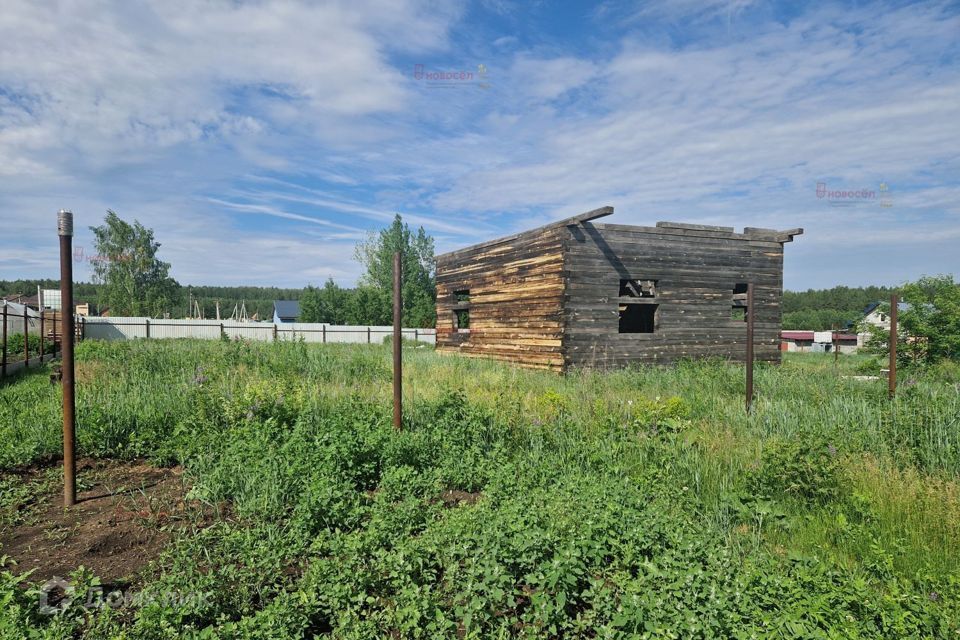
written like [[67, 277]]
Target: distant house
[[874, 316], [285, 311], [819, 341], [48, 300], [18, 298]]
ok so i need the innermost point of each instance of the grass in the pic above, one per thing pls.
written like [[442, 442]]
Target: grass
[[635, 503]]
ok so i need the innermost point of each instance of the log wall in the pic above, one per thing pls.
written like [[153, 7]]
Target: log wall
[[516, 299], [695, 268]]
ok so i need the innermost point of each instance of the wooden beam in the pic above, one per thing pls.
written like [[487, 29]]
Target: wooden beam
[[693, 227], [585, 217], [787, 236], [566, 222]]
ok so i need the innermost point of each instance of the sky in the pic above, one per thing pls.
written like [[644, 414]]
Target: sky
[[262, 140]]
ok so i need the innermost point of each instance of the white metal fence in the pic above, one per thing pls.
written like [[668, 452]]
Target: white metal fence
[[127, 328]]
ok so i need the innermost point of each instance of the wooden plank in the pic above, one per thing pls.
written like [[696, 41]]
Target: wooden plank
[[695, 227]]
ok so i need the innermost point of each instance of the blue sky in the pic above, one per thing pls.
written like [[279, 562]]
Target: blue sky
[[262, 140]]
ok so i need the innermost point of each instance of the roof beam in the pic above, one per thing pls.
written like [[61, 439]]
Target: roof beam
[[787, 236], [584, 217], [693, 227]]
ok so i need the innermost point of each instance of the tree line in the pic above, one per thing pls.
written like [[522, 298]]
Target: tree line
[[826, 309], [130, 279]]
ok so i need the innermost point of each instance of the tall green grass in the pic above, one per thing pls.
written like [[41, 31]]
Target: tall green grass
[[522, 503]]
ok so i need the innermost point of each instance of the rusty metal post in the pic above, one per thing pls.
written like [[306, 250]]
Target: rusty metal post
[[65, 231], [26, 338], [892, 375], [836, 347], [41, 334], [3, 363], [749, 399], [324, 333], [368, 335], [397, 347]]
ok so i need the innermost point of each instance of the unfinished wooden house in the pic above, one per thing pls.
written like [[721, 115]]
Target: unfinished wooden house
[[582, 294]]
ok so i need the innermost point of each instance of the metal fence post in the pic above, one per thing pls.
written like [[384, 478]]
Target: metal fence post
[[65, 231], [397, 346], [836, 347], [749, 399], [4, 362], [26, 338], [41, 336], [324, 333], [368, 335], [892, 375], [146, 322]]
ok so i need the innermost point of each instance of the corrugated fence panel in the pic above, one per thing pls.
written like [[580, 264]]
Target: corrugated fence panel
[[128, 328]]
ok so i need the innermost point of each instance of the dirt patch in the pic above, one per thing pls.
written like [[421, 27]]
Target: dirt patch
[[125, 514]]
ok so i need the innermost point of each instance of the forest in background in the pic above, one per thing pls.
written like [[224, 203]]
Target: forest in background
[[812, 310], [825, 309]]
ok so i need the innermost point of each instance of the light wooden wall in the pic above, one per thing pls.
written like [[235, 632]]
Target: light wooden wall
[[516, 299]]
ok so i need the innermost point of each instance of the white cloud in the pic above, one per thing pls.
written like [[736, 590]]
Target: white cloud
[[547, 79], [116, 82], [792, 105]]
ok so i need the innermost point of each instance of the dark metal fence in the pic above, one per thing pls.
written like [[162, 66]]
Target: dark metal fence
[[45, 330]]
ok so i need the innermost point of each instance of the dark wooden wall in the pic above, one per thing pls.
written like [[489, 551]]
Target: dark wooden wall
[[696, 268], [516, 299]]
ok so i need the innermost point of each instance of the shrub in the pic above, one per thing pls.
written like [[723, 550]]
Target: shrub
[[808, 469]]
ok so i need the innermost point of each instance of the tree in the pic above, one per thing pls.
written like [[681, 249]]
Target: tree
[[419, 287], [370, 305], [929, 325], [134, 282], [327, 304]]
